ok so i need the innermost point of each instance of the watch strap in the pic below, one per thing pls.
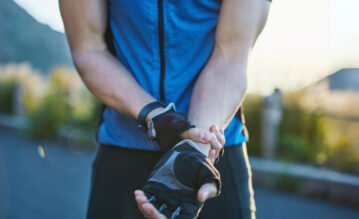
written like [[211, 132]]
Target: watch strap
[[144, 113]]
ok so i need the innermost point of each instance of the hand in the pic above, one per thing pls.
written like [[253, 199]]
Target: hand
[[171, 127], [214, 137], [148, 210], [208, 190], [180, 182]]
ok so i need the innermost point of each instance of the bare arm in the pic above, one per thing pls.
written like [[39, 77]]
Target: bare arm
[[106, 77], [221, 86], [85, 24]]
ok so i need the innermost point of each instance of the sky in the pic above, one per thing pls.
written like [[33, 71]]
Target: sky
[[303, 41]]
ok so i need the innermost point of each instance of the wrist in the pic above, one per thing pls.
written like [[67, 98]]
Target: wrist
[[152, 113], [205, 147], [202, 123], [144, 114]]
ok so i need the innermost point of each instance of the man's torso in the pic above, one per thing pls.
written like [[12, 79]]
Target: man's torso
[[164, 44]]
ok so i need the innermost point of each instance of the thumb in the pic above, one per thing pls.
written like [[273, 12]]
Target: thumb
[[198, 135], [208, 190]]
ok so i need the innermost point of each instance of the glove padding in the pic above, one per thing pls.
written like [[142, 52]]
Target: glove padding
[[169, 126], [173, 184]]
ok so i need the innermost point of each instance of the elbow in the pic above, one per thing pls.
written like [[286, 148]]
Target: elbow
[[84, 56], [81, 59], [78, 58]]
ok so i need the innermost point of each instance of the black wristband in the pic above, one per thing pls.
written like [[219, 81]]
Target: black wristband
[[145, 111]]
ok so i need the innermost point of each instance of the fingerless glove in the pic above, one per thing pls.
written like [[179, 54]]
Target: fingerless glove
[[173, 184]]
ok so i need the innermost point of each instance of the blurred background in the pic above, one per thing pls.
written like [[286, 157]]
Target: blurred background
[[302, 113]]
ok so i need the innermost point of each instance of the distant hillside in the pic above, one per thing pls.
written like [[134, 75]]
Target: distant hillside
[[23, 39], [337, 95], [345, 79]]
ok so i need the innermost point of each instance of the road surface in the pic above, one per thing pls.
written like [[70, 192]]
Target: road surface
[[53, 183]]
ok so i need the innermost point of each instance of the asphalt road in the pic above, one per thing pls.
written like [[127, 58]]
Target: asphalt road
[[56, 185]]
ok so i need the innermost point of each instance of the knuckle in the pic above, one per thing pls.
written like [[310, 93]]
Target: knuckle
[[216, 146], [221, 141]]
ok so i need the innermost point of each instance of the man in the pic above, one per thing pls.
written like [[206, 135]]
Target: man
[[191, 53]]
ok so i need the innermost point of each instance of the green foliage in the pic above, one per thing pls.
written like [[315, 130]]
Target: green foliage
[[344, 157], [295, 147], [66, 104], [252, 107], [302, 133], [49, 116], [86, 115], [7, 89], [285, 182], [305, 136], [30, 86], [62, 101]]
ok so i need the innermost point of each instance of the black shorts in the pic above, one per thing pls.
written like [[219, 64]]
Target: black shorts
[[118, 172]]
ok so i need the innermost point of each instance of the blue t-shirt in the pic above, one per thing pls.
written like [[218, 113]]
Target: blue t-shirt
[[164, 44]]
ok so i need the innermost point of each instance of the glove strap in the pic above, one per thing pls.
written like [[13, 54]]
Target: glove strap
[[151, 131], [144, 113]]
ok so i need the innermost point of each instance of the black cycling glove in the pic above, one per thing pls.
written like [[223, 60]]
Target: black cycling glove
[[174, 183], [167, 126]]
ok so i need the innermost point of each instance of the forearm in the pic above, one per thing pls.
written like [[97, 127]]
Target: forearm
[[219, 91], [85, 24], [221, 85], [110, 82]]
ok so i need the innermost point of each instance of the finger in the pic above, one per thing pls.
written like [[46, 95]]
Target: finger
[[220, 137], [222, 131], [140, 199], [215, 145], [139, 192], [151, 212], [221, 134], [197, 135], [147, 209], [212, 155], [208, 190]]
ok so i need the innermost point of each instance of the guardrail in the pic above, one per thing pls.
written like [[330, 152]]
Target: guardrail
[[338, 187]]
